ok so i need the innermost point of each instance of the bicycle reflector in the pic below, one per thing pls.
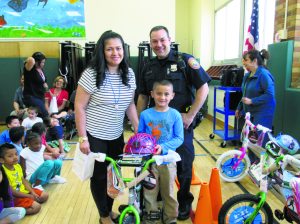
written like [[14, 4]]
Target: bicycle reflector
[[140, 143], [288, 143]]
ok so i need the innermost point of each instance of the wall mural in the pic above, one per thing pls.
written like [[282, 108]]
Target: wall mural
[[42, 19]]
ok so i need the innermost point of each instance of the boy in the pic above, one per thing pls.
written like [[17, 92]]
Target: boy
[[17, 136], [54, 135], [11, 121], [32, 118], [166, 125], [24, 195]]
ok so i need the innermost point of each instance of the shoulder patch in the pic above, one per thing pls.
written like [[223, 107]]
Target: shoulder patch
[[193, 63]]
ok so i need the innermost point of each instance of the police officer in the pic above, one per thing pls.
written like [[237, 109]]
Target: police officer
[[191, 89]]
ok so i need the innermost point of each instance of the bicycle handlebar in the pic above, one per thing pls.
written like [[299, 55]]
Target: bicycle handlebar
[[252, 126]]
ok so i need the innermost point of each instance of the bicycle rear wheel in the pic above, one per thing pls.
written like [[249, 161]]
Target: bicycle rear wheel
[[226, 162], [238, 208]]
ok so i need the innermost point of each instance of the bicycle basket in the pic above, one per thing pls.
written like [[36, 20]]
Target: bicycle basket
[[140, 143]]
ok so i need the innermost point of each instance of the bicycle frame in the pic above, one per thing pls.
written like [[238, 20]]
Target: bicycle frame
[[246, 130], [263, 184], [130, 208]]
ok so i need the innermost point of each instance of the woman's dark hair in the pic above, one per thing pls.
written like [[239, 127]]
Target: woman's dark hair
[[38, 57], [99, 63], [260, 56]]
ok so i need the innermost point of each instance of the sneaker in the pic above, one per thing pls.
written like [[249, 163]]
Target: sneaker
[[39, 187], [57, 180], [62, 156]]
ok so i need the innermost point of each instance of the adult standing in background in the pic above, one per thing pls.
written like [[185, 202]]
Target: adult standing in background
[[35, 83], [191, 89], [258, 90], [104, 94]]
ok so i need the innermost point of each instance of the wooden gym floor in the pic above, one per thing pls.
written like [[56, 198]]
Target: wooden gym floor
[[72, 203]]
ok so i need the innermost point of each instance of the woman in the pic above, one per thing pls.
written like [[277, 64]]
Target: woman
[[105, 92], [35, 82], [57, 91], [258, 89], [258, 92]]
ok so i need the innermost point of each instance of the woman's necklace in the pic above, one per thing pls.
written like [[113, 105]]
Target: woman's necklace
[[116, 100]]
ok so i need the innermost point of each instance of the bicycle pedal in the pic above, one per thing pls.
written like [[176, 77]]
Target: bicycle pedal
[[153, 215], [279, 214]]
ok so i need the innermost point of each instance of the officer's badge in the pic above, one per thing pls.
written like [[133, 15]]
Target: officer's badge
[[173, 68], [193, 63]]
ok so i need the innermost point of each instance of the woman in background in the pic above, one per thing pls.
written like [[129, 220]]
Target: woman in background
[[104, 94], [59, 92], [35, 82], [258, 91]]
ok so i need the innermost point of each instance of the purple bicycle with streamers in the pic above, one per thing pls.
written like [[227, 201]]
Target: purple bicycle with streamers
[[234, 164]]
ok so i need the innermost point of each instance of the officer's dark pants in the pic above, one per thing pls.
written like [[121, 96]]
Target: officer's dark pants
[[184, 170]]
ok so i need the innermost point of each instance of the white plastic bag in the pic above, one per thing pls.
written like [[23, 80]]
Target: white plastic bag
[[53, 105], [83, 165]]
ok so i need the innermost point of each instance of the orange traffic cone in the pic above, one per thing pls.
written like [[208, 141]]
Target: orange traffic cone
[[215, 193], [195, 180], [203, 213]]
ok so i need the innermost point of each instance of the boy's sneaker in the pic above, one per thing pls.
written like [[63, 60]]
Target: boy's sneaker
[[57, 180], [39, 187]]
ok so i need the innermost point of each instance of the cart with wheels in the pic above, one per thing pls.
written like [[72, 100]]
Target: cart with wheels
[[227, 133]]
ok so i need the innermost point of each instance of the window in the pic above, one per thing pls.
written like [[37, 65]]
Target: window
[[227, 23], [231, 24]]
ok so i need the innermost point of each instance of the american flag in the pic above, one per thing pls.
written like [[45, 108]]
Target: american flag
[[252, 35]]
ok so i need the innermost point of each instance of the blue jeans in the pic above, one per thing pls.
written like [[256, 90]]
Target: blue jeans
[[46, 171], [31, 101]]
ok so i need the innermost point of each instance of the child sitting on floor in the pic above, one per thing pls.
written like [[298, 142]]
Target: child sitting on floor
[[24, 195], [38, 171], [8, 213], [17, 136], [11, 121], [32, 118], [55, 135], [50, 152]]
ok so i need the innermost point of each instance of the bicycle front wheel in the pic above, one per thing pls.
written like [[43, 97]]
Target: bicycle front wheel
[[226, 163], [239, 208]]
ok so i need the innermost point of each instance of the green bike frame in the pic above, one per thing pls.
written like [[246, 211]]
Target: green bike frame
[[130, 209]]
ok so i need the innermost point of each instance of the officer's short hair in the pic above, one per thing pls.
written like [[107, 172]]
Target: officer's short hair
[[162, 83], [157, 28]]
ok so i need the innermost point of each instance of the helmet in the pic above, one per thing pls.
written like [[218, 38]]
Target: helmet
[[150, 181], [287, 143], [140, 143]]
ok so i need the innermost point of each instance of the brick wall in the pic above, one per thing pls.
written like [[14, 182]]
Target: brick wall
[[293, 32]]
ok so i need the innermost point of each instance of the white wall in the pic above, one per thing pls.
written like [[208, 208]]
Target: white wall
[[133, 19]]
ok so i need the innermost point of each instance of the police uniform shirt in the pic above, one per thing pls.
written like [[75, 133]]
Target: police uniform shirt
[[181, 70]]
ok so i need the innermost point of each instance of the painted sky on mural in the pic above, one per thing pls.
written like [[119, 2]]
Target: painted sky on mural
[[54, 13]]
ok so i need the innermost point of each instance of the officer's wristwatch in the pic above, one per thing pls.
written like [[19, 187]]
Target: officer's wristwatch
[[82, 139]]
